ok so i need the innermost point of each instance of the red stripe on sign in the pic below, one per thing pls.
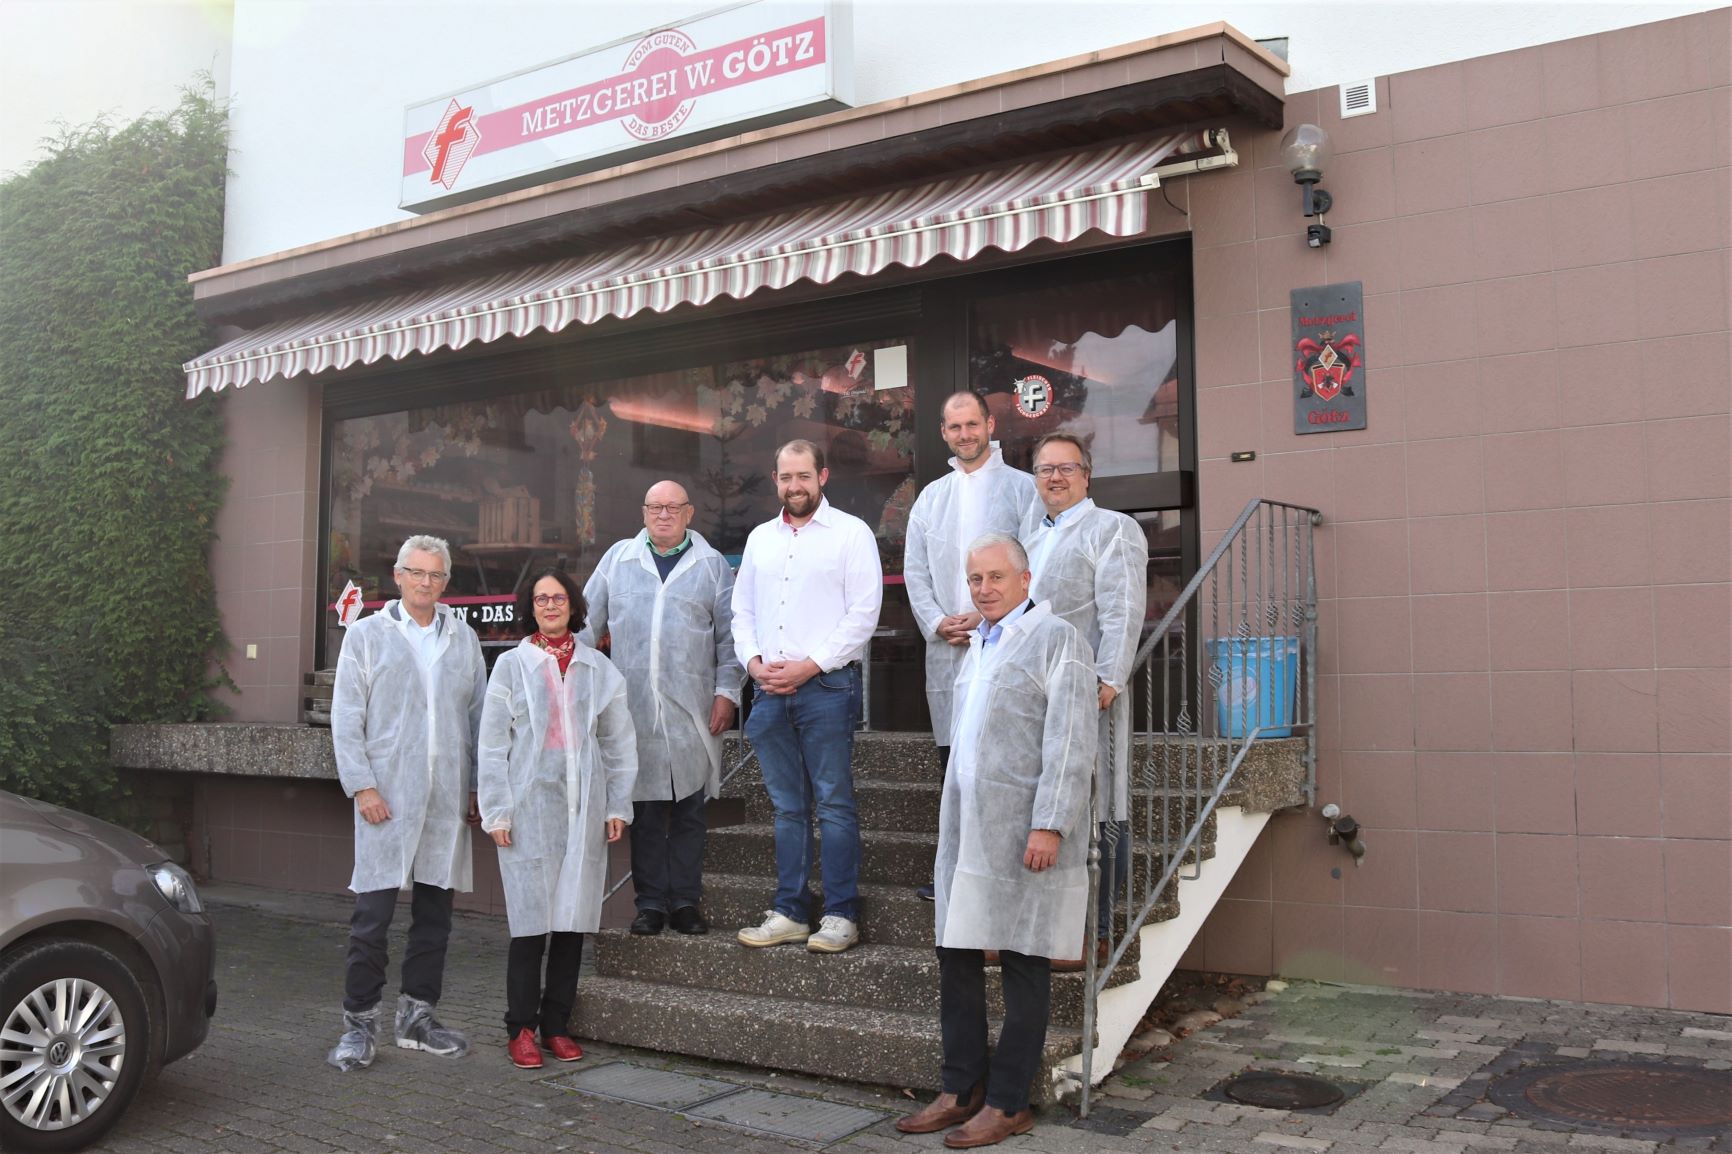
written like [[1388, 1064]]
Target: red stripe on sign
[[665, 85]]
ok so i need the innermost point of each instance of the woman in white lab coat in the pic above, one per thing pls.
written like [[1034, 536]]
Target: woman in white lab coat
[[558, 758]]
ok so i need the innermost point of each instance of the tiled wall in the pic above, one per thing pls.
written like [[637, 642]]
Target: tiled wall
[[267, 545], [1526, 618]]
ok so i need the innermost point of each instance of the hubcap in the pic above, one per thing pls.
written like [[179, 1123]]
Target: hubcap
[[61, 1050]]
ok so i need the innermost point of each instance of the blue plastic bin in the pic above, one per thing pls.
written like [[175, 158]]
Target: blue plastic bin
[[1255, 679]]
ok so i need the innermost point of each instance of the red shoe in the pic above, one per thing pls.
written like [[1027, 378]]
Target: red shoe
[[562, 1048], [524, 1053]]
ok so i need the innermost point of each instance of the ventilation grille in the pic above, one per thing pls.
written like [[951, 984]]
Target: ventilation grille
[[1358, 98]]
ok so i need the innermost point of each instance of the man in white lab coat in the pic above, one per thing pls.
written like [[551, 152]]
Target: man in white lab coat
[[1011, 871], [404, 714], [1092, 565], [981, 494], [666, 599]]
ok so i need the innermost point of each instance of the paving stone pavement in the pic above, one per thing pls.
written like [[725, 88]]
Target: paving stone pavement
[[1419, 1059]]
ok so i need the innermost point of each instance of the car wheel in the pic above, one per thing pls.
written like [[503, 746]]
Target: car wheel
[[74, 1044]]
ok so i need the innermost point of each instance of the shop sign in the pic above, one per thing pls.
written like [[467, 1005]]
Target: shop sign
[[1328, 353], [746, 66]]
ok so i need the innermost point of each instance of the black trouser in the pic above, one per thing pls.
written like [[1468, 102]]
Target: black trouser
[[532, 1005], [667, 852], [423, 974], [1009, 1070]]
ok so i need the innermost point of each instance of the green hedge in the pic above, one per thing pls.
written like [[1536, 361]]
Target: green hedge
[[109, 486]]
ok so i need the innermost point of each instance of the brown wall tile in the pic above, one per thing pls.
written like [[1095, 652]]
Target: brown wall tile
[[1457, 951], [1525, 550], [1695, 795], [1623, 963], [1695, 710], [1450, 634], [1531, 710], [1612, 628], [1457, 871], [1540, 957], [1699, 968], [1536, 874], [1447, 554], [1699, 882], [1504, 88], [1382, 946], [1616, 711], [1445, 476], [1620, 877], [1455, 792], [1618, 794]]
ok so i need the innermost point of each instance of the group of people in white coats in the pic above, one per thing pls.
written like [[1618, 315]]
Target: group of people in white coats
[[1030, 599]]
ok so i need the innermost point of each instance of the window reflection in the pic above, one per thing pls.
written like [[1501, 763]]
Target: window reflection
[[555, 476]]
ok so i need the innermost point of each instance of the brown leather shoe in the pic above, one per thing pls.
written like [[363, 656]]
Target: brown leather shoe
[[989, 1127], [943, 1112]]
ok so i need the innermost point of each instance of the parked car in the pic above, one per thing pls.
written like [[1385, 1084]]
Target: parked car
[[106, 972]]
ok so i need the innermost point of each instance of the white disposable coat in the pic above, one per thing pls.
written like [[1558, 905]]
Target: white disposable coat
[[1093, 568], [409, 733], [947, 516], [1022, 758], [673, 641], [555, 800]]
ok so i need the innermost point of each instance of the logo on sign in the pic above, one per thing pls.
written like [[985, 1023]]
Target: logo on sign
[[658, 58], [1033, 395], [451, 144], [1324, 370]]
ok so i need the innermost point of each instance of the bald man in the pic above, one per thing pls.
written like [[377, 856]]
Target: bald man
[[666, 597]]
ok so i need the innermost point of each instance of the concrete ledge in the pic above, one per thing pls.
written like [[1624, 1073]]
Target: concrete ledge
[[243, 749]]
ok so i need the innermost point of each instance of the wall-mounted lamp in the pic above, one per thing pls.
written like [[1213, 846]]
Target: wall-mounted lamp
[[1343, 830], [1306, 150]]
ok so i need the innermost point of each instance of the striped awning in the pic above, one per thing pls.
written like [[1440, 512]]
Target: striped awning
[[1057, 199]]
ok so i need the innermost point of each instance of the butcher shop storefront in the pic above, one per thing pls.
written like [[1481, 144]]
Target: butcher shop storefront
[[591, 303]]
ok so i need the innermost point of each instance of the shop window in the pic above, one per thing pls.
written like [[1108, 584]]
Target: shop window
[[1099, 359], [554, 477]]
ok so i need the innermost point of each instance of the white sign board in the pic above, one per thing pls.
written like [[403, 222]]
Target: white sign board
[[763, 62]]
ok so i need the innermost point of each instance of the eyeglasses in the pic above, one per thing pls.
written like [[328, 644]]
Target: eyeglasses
[[432, 575], [1068, 469], [665, 510], [553, 600]]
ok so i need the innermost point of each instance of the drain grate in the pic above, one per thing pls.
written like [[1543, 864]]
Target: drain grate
[[642, 1086], [1652, 1097], [1277, 1091], [787, 1116]]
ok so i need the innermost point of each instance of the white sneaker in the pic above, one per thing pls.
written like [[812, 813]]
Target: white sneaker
[[835, 934], [777, 928]]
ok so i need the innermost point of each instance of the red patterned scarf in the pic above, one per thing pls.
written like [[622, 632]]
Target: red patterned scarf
[[561, 649]]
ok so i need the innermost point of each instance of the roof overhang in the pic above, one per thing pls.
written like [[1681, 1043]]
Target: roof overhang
[[1212, 73]]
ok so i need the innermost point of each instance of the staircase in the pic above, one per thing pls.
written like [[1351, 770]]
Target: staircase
[[871, 1014], [1204, 786]]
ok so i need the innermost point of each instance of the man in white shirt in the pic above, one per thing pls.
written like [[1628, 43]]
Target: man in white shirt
[[805, 604], [981, 494]]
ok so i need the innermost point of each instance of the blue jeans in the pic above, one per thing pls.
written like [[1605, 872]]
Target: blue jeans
[[805, 746]]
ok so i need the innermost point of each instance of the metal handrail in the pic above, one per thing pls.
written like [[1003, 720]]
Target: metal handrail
[[751, 756], [1259, 582]]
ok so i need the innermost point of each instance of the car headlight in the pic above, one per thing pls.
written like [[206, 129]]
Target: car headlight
[[176, 886]]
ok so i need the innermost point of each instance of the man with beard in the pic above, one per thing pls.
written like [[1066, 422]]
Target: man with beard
[[805, 604], [981, 494]]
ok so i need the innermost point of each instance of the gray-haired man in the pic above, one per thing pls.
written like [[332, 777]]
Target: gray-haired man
[[404, 716]]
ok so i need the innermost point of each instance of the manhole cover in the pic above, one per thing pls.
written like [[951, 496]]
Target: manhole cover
[[1652, 1096], [1282, 1091]]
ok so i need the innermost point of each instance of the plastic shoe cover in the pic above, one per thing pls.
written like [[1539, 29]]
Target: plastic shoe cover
[[418, 1029], [356, 1048]]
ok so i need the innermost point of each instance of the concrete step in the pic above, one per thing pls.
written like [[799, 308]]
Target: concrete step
[[877, 756], [898, 978], [889, 915], [910, 806], [833, 1040], [887, 857]]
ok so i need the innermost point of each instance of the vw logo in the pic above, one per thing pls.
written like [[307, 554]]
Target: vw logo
[[58, 1051]]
